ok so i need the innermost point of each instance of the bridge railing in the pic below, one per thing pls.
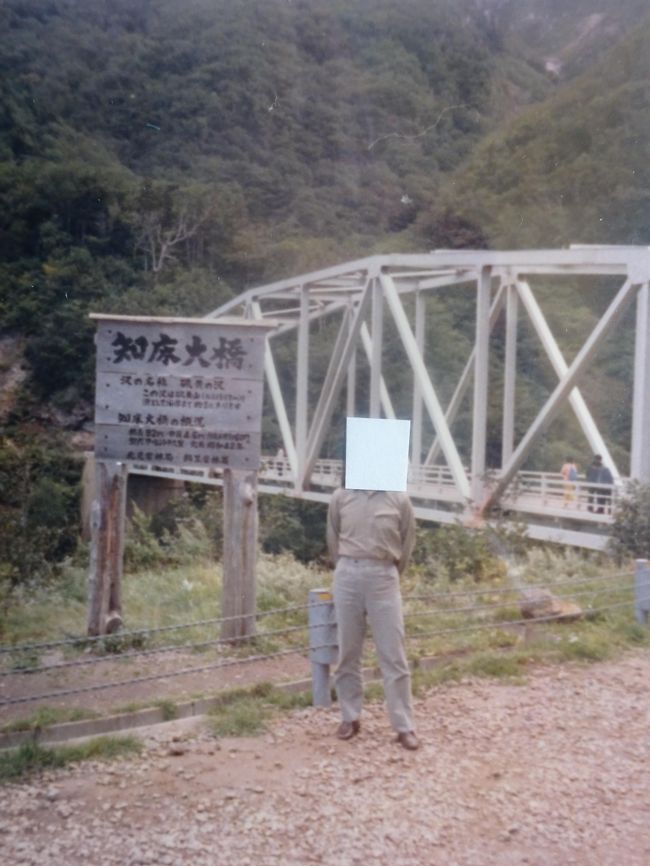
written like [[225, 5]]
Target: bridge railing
[[550, 491], [430, 476], [531, 491], [275, 469], [327, 473]]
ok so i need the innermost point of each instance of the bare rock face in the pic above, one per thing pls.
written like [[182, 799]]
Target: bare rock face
[[542, 604]]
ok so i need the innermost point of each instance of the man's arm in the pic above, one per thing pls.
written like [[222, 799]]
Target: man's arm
[[333, 527], [407, 532]]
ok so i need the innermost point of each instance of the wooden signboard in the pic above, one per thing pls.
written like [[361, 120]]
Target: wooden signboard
[[182, 392], [177, 392]]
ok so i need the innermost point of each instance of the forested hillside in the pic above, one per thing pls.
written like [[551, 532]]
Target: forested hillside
[[573, 168], [156, 161], [159, 156]]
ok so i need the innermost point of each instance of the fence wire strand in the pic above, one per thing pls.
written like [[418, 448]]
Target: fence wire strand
[[297, 651], [523, 588], [131, 654], [499, 605], [151, 677], [90, 639], [429, 612], [510, 622], [86, 640]]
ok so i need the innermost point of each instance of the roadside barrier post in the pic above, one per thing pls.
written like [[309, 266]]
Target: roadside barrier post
[[322, 644], [642, 590]]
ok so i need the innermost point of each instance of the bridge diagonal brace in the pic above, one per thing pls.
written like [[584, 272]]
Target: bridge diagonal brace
[[330, 375], [429, 396], [278, 400], [335, 376], [584, 416], [465, 378], [384, 396], [612, 316]]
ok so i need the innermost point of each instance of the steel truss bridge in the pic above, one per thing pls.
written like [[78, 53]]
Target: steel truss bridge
[[359, 301]]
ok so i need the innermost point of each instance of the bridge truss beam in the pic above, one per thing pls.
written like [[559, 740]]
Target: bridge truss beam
[[367, 298]]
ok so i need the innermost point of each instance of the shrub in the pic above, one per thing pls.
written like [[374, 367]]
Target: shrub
[[143, 548], [39, 509], [294, 526], [459, 552], [630, 533]]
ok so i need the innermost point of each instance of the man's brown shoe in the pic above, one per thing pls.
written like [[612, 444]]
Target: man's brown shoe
[[408, 740], [347, 730]]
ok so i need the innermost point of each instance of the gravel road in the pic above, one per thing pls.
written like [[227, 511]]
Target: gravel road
[[552, 772]]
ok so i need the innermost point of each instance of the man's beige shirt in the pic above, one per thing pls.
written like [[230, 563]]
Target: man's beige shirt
[[371, 524]]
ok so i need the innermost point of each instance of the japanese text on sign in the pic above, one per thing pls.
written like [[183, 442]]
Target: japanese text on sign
[[226, 355]]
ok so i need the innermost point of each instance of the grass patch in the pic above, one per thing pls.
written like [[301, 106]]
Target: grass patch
[[245, 712], [424, 679], [496, 666], [169, 709], [586, 648], [244, 717], [373, 692], [30, 758], [156, 598], [633, 633], [46, 716]]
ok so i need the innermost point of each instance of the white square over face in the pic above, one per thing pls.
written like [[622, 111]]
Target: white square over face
[[376, 454]]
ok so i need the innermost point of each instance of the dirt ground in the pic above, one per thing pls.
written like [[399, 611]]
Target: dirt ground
[[552, 772]]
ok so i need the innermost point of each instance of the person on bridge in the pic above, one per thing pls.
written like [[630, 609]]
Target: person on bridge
[[599, 497], [370, 537], [569, 473]]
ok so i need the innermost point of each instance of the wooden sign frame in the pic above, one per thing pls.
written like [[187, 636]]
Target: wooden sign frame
[[177, 392]]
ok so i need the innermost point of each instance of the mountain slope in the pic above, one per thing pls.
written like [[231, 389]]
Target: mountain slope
[[564, 37], [572, 169]]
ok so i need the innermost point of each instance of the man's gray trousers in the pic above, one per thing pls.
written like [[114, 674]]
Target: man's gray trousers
[[369, 588]]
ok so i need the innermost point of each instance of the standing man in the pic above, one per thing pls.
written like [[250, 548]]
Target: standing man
[[370, 536], [601, 496]]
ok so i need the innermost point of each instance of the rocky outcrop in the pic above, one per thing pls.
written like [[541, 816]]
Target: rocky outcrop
[[542, 604]]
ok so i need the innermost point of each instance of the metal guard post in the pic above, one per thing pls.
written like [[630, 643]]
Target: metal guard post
[[323, 644], [642, 590]]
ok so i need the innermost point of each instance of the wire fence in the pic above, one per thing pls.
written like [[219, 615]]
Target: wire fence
[[88, 640], [241, 644], [282, 632]]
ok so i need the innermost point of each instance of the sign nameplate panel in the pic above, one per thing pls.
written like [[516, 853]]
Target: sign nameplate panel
[[182, 348], [179, 392]]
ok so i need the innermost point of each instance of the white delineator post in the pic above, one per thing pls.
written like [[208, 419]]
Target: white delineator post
[[323, 644], [642, 590]]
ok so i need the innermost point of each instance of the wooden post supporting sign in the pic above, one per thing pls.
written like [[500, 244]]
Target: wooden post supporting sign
[[107, 527], [239, 551]]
